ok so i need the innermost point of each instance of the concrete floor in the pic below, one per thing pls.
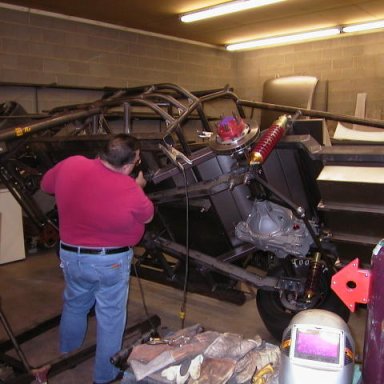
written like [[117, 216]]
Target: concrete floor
[[31, 293]]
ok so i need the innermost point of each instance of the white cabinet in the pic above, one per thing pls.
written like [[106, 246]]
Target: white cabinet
[[11, 229]]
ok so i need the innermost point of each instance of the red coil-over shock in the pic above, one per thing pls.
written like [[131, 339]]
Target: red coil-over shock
[[268, 141]]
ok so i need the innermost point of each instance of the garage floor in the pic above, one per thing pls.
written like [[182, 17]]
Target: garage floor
[[31, 293]]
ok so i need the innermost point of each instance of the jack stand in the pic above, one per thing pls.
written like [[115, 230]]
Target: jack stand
[[27, 374], [16, 345]]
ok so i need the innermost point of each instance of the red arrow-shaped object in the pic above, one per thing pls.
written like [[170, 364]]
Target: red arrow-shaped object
[[352, 284]]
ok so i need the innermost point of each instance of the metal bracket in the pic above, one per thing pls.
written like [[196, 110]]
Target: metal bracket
[[352, 284]]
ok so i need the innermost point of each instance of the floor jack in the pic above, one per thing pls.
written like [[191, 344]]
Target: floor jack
[[24, 373]]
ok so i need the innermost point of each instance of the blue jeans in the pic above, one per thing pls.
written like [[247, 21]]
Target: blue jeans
[[103, 281]]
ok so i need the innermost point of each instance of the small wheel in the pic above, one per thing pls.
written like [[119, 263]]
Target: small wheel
[[49, 237], [277, 309]]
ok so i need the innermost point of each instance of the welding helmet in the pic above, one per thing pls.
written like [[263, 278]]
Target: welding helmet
[[317, 347]]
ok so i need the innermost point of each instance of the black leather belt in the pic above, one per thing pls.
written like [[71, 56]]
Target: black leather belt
[[94, 251]]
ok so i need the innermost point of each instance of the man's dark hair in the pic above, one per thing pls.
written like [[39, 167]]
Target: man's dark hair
[[120, 150]]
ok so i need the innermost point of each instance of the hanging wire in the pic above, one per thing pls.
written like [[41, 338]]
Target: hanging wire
[[143, 299], [183, 307]]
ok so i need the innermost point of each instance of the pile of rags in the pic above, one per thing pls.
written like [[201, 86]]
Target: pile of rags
[[195, 356]]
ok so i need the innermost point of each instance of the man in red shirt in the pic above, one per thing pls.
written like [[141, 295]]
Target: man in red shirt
[[102, 215]]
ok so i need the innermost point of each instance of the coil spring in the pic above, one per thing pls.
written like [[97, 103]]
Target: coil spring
[[267, 143], [313, 277]]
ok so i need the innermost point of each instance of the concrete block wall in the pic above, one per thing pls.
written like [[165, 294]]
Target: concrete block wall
[[39, 49], [347, 65]]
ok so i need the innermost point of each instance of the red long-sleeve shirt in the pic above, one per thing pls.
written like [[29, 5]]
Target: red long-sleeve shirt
[[97, 207]]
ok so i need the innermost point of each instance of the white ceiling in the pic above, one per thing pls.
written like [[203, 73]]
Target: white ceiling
[[161, 16]]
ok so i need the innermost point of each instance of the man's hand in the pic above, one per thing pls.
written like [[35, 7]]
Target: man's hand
[[140, 180]]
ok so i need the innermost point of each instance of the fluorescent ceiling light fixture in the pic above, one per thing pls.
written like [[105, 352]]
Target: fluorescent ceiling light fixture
[[284, 39], [364, 27], [225, 8]]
